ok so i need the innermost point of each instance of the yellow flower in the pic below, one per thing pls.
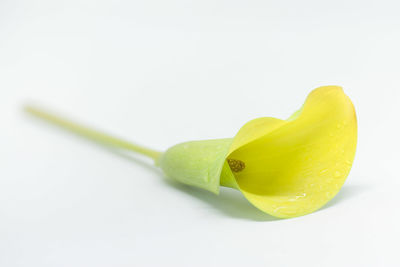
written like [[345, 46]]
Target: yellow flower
[[285, 168], [294, 167]]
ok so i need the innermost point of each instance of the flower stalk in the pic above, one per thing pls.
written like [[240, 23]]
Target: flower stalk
[[91, 133]]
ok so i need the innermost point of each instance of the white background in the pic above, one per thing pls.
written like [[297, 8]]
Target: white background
[[164, 72]]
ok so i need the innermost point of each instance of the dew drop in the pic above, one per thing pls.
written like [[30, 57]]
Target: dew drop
[[278, 209], [337, 174], [301, 195]]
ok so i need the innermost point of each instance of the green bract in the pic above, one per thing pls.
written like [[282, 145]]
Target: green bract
[[197, 163]]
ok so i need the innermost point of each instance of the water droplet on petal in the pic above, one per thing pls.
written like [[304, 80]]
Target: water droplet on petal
[[301, 195], [337, 174], [322, 172]]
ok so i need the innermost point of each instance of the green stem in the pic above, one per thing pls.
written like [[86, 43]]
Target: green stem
[[91, 133]]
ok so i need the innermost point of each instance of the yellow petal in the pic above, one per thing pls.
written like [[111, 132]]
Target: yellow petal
[[253, 130], [294, 167]]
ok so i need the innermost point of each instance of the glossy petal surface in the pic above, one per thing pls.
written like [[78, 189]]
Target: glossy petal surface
[[296, 166]]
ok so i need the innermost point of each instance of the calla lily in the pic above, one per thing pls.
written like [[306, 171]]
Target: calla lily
[[286, 168]]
